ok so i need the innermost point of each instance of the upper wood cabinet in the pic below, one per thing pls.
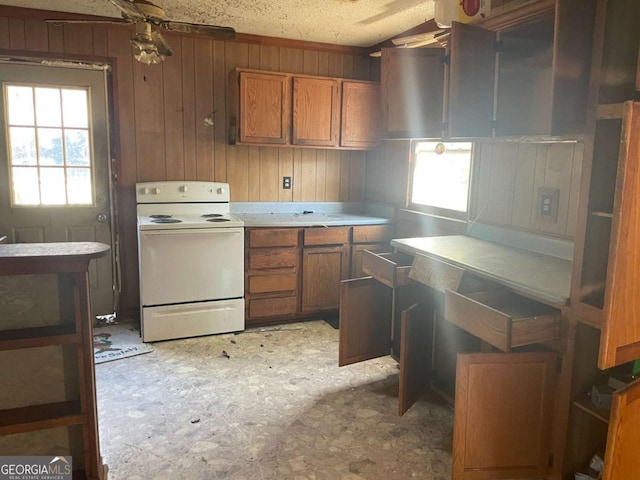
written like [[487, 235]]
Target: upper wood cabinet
[[283, 109], [412, 86], [522, 73], [530, 79], [264, 108], [316, 112], [361, 114]]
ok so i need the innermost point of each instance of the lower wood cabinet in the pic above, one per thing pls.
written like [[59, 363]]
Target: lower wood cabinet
[[322, 270], [503, 415], [366, 329]]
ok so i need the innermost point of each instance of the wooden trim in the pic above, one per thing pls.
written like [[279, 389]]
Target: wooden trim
[[519, 16]]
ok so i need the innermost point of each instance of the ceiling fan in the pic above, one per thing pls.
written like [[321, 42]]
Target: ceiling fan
[[149, 46]]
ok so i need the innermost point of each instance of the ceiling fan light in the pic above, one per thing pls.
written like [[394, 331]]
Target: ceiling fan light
[[146, 52]]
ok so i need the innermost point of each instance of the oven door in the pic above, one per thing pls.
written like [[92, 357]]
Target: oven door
[[191, 265]]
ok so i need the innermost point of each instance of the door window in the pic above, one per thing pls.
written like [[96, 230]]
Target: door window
[[49, 147]]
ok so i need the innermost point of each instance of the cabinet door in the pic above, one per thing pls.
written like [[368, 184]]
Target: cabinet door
[[365, 320], [412, 86], [622, 461], [322, 270], [620, 341], [503, 414], [264, 108], [471, 81], [361, 112], [316, 119], [415, 355]]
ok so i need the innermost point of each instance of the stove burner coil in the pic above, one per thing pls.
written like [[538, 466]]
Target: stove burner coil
[[159, 216], [166, 220], [217, 220], [211, 215]]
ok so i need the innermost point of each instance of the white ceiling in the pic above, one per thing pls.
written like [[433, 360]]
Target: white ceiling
[[344, 22]]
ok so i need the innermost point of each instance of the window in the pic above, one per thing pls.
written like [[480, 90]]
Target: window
[[49, 135], [440, 178]]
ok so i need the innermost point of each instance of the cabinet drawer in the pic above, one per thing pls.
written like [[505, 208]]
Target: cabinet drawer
[[372, 233], [273, 258], [272, 307], [392, 269], [326, 236], [502, 318], [273, 237], [273, 283]]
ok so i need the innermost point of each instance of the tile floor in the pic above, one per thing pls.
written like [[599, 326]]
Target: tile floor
[[265, 404]]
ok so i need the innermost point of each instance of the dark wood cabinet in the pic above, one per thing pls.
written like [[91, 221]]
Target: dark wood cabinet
[[530, 78], [263, 108], [293, 110], [366, 324], [272, 263], [361, 114], [322, 270], [325, 262], [412, 84], [316, 112]]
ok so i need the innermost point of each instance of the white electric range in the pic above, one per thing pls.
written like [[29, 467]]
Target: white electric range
[[191, 260]]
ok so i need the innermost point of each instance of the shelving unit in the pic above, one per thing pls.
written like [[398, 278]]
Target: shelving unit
[[76, 413]]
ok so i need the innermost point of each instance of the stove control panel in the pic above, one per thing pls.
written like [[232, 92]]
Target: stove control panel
[[181, 192]]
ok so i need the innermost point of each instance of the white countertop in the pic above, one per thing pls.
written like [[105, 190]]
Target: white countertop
[[541, 276], [316, 219]]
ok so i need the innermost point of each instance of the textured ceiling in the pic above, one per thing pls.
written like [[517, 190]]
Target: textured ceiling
[[344, 22]]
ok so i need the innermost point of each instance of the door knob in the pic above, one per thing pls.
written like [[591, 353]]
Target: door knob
[[102, 217]]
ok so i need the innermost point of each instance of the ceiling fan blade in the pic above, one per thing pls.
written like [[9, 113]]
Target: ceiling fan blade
[[223, 33], [62, 21], [161, 44]]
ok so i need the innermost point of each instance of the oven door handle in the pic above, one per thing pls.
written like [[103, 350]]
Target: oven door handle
[[194, 231]]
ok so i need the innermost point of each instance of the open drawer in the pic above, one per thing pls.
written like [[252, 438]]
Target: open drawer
[[502, 318], [391, 269]]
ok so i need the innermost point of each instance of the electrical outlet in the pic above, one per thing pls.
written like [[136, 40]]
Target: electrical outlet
[[286, 183], [548, 199]]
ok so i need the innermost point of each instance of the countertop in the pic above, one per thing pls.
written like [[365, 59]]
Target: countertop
[[316, 219], [541, 276], [21, 258]]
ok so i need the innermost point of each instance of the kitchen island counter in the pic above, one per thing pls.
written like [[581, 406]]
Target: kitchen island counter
[[540, 276]]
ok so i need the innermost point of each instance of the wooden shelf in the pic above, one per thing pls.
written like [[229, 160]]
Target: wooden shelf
[[38, 337], [585, 405], [610, 111], [602, 214], [38, 417]]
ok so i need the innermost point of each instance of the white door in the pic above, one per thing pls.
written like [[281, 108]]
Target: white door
[[54, 162]]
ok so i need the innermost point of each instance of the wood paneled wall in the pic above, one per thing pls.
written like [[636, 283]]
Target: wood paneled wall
[[160, 132], [507, 178], [505, 182]]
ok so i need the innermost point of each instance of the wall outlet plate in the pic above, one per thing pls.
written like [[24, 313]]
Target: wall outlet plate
[[286, 183], [547, 204]]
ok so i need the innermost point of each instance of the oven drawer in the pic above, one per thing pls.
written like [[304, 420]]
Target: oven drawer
[[273, 283], [392, 269], [502, 318], [372, 233], [272, 307], [326, 236], [273, 258], [273, 237]]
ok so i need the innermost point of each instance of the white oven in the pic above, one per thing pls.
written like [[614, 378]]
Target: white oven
[[191, 260]]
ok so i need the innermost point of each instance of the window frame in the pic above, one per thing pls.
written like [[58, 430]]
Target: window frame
[[91, 167], [432, 210]]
